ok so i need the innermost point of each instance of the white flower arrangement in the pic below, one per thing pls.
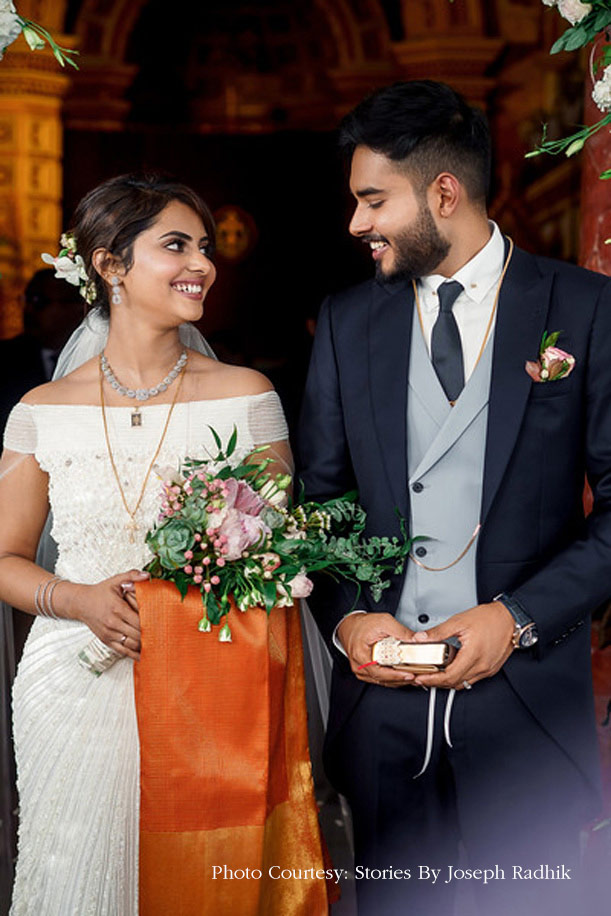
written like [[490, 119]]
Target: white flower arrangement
[[587, 21], [602, 90], [12, 25], [571, 10], [574, 10]]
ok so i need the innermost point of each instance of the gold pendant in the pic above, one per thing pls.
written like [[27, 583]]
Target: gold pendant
[[136, 417], [132, 526]]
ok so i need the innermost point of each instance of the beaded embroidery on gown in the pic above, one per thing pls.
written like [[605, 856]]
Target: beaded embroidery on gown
[[76, 737]]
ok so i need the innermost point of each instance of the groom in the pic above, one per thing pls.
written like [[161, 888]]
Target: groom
[[419, 396]]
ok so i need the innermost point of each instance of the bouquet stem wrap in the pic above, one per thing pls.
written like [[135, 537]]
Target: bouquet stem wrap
[[225, 771]]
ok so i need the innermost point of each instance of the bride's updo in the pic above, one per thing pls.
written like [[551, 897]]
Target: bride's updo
[[114, 214]]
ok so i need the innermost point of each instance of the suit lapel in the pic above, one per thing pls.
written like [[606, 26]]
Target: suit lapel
[[471, 402], [520, 323], [390, 328]]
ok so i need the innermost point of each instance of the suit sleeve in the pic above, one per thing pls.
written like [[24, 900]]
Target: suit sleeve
[[578, 579], [324, 463]]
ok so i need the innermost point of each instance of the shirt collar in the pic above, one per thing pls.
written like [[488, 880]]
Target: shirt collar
[[477, 276]]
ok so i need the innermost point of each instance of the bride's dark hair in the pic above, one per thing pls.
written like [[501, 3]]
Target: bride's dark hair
[[114, 214]]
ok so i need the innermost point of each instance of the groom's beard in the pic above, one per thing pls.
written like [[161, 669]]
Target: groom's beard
[[419, 250]]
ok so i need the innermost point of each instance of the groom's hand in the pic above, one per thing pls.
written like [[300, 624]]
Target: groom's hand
[[484, 632], [357, 634]]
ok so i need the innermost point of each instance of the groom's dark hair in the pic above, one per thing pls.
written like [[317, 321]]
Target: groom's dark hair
[[427, 128]]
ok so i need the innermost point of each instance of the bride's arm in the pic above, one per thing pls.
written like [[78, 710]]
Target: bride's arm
[[23, 510]]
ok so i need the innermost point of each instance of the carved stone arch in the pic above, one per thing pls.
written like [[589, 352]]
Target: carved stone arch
[[426, 17], [357, 28], [104, 26], [358, 57]]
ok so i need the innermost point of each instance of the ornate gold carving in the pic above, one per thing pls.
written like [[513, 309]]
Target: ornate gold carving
[[31, 90]]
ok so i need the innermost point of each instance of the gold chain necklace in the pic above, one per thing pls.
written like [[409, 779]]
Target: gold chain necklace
[[485, 341], [132, 526]]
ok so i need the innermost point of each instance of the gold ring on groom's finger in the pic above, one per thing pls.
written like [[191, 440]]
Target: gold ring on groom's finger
[[467, 685], [123, 638]]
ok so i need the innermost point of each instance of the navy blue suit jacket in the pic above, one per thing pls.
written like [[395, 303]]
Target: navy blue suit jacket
[[542, 440]]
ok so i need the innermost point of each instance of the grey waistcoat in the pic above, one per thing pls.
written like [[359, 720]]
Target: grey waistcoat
[[445, 460]]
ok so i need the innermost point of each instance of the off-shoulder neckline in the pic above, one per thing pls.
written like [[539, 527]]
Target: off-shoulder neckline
[[134, 402]]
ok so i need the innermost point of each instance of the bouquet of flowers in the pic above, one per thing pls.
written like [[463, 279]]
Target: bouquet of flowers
[[228, 527]]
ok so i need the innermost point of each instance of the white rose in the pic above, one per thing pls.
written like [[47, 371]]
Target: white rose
[[550, 2], [574, 10], [10, 26], [601, 92]]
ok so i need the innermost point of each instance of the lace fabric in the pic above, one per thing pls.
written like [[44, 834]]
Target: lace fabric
[[76, 735]]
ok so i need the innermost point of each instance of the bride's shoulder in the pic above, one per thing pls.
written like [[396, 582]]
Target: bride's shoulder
[[222, 380], [78, 387]]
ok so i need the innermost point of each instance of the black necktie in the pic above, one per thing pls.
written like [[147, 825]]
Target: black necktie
[[446, 348]]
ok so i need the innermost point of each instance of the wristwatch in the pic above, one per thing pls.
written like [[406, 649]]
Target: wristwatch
[[524, 634]]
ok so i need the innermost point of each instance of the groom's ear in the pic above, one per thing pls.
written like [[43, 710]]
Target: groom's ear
[[106, 264], [444, 194]]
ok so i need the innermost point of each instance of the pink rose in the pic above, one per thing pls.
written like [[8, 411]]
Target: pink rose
[[301, 586], [558, 363], [239, 495], [242, 531]]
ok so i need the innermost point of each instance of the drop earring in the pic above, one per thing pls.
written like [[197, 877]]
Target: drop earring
[[116, 295]]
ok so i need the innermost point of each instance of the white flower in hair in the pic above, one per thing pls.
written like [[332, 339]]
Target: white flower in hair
[[71, 269]]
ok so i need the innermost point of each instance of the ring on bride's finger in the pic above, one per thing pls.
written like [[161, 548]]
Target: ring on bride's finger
[[123, 638], [467, 685]]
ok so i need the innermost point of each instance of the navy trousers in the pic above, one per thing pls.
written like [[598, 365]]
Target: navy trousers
[[501, 809]]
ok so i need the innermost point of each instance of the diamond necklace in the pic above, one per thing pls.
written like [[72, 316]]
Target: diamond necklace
[[141, 394], [132, 526]]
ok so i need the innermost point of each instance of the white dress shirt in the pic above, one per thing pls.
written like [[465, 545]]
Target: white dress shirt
[[472, 310]]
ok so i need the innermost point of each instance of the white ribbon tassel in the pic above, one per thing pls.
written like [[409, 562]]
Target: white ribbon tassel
[[430, 726]]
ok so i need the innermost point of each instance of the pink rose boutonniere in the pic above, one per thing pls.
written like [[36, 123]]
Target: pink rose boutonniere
[[553, 363]]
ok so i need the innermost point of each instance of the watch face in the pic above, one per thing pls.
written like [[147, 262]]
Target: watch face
[[528, 638]]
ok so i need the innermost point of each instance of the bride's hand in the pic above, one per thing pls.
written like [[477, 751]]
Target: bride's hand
[[110, 611]]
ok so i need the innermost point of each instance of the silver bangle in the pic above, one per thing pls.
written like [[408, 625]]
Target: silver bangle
[[43, 596], [37, 604], [41, 601], [48, 596]]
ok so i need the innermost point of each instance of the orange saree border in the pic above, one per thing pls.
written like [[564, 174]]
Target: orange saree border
[[228, 820]]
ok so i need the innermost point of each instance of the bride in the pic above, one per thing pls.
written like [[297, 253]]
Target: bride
[[86, 446]]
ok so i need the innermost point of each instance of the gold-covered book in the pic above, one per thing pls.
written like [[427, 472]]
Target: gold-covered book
[[417, 657]]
